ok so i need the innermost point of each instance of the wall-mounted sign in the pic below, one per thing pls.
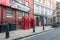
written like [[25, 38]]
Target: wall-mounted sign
[[14, 4], [19, 6]]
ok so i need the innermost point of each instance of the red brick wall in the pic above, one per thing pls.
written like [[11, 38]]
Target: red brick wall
[[31, 5], [10, 20], [15, 16], [5, 18], [0, 14]]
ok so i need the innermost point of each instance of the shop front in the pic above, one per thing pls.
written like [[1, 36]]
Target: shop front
[[14, 13]]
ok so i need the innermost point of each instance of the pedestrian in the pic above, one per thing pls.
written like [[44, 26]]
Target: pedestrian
[[7, 29]]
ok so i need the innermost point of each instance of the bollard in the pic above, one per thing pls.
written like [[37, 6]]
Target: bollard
[[33, 29], [43, 27], [7, 30], [43, 24]]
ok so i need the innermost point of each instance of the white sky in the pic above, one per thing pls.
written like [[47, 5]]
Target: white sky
[[58, 0]]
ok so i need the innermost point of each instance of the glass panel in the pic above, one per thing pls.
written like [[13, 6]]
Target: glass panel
[[9, 12], [19, 14], [26, 14]]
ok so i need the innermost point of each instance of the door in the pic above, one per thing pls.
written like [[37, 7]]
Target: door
[[37, 21]]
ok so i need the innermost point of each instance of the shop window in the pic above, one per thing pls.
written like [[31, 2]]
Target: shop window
[[26, 14], [19, 13], [9, 12]]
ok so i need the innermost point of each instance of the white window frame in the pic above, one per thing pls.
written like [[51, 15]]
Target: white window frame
[[51, 12], [48, 2], [20, 13], [35, 8], [48, 12], [40, 9], [8, 10]]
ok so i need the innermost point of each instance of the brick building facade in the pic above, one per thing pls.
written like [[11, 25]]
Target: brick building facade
[[17, 12]]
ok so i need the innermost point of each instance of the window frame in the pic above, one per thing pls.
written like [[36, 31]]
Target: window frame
[[18, 13], [11, 12]]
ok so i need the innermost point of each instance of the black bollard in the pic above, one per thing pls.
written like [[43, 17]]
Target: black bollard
[[7, 33], [7, 30], [43, 24], [43, 27], [33, 29]]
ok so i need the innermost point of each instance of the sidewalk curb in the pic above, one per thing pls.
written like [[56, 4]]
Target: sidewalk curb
[[33, 34]]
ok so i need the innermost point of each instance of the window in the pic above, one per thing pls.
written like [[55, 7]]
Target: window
[[26, 14], [44, 10], [48, 2], [45, 2], [40, 9], [37, 0], [20, 1], [26, 3], [9, 12], [48, 12], [36, 8], [51, 12], [19, 14]]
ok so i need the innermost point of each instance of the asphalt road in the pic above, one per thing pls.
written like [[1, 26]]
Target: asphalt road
[[49, 35]]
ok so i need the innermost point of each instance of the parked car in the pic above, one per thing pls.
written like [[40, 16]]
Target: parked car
[[56, 24]]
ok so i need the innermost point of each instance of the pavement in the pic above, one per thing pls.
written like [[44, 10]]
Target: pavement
[[22, 33], [48, 35]]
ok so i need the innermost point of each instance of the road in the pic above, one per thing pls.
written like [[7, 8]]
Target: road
[[49, 35]]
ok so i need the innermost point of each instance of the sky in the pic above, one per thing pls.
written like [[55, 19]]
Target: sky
[[58, 0]]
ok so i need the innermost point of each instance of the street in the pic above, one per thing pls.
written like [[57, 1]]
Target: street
[[49, 35]]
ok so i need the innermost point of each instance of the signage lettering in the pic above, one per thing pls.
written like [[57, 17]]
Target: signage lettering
[[14, 4]]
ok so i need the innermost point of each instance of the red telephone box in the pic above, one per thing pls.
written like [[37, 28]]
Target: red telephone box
[[29, 22], [23, 22]]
